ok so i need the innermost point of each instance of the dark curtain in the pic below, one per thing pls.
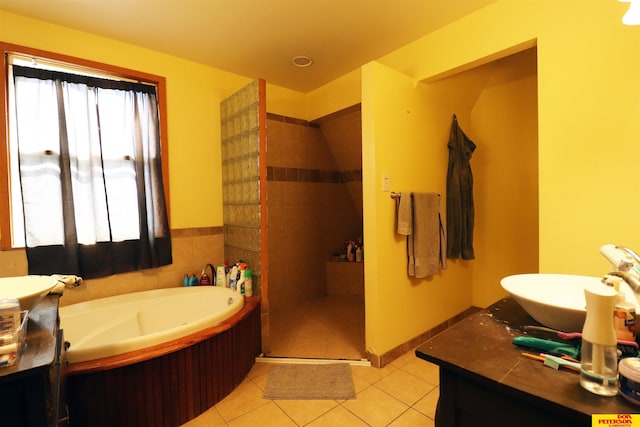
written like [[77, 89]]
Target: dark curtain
[[90, 174]]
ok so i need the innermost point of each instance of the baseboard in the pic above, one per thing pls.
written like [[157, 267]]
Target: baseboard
[[380, 361]]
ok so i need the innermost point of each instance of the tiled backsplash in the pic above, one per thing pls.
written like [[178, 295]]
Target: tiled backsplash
[[192, 250]]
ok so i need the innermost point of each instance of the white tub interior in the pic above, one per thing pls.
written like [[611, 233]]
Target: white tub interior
[[119, 324]]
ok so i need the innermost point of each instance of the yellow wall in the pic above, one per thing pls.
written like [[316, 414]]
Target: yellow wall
[[336, 95], [194, 92], [588, 107], [505, 165], [405, 134], [399, 139], [587, 132]]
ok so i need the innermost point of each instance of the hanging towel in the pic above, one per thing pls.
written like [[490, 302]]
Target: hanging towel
[[426, 237], [460, 206], [405, 215]]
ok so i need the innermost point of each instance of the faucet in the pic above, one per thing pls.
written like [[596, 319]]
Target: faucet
[[632, 281], [626, 267]]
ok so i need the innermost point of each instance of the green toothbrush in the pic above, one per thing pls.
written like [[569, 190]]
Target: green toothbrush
[[547, 346]]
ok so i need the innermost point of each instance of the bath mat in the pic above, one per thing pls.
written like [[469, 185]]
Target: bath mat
[[310, 382]]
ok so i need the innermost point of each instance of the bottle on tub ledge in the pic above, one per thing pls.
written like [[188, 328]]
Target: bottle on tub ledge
[[190, 281]]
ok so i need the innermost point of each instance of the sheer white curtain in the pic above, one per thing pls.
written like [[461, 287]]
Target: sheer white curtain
[[90, 173]]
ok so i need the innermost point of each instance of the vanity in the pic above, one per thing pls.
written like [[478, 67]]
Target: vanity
[[485, 380], [30, 388]]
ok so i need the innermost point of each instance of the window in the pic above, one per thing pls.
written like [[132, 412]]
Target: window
[[82, 169]]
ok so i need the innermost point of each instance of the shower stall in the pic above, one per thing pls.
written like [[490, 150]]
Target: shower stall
[[292, 196]]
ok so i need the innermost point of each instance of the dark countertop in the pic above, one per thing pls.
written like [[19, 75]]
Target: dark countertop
[[39, 349], [480, 348]]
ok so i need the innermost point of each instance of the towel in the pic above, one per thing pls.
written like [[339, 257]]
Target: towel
[[405, 214], [422, 223], [65, 282]]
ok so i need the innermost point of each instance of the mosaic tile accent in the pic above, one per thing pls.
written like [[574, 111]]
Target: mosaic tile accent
[[283, 174]]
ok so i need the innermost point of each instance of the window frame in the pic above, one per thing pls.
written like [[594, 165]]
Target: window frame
[[6, 242]]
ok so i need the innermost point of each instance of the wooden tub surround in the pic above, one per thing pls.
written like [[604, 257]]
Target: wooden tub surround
[[167, 384]]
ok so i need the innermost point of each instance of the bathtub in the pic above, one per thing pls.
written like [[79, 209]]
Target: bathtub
[[123, 323], [157, 358]]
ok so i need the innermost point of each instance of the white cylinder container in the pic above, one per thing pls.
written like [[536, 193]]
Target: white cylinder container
[[599, 358]]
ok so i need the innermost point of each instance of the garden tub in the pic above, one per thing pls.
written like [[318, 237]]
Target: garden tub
[[159, 357]]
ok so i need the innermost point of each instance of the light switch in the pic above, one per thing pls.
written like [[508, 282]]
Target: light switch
[[386, 183]]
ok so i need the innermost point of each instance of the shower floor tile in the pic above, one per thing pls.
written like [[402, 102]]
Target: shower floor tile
[[330, 327]]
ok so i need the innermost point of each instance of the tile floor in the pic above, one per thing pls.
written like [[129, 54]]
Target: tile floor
[[330, 327], [403, 393]]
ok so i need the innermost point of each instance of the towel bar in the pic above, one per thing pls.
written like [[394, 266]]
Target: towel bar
[[398, 195]]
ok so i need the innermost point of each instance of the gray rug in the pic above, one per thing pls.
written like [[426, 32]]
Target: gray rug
[[310, 382]]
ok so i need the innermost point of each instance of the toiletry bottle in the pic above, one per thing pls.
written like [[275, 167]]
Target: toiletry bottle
[[221, 275], [193, 281], [248, 283], [205, 280], [9, 316], [240, 285], [233, 277], [624, 315], [185, 280], [599, 358], [358, 254]]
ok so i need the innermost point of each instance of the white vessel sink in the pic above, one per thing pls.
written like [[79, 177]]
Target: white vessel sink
[[555, 300], [27, 289]]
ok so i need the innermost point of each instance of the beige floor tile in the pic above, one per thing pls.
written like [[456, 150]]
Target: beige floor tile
[[375, 407], [338, 416], [305, 411], [245, 398], [258, 369], [209, 418], [328, 327], [360, 383], [404, 386], [372, 374], [268, 415], [409, 356], [427, 405], [261, 381], [424, 370], [412, 418]]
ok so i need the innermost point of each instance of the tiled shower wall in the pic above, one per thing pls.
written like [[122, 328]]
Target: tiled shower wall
[[311, 209]]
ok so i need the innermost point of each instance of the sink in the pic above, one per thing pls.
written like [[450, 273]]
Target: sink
[[27, 289], [555, 300]]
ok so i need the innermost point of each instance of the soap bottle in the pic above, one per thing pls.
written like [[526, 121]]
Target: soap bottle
[[248, 283], [599, 358], [221, 275]]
